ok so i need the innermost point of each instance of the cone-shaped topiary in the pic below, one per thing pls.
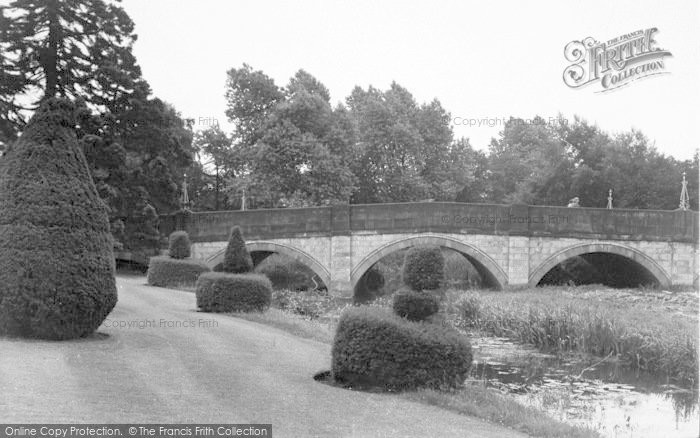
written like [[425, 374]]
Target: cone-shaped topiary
[[237, 260], [179, 247], [424, 268], [56, 261]]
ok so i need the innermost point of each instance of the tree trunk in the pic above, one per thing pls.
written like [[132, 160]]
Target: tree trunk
[[49, 60]]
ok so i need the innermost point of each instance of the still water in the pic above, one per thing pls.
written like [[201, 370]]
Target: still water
[[614, 401]]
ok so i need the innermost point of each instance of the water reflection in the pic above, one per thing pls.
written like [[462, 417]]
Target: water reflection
[[605, 396]]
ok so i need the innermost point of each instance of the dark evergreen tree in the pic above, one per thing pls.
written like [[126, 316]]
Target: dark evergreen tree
[[237, 260], [56, 261], [74, 48], [137, 147]]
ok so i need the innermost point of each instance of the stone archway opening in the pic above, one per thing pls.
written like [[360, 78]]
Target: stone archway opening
[[612, 270], [611, 265], [286, 273], [286, 266], [478, 267]]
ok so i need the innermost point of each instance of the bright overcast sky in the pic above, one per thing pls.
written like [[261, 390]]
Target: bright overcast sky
[[481, 59]]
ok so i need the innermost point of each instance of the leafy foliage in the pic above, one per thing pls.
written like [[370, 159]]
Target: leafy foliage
[[222, 292], [369, 286], [310, 304], [373, 347], [215, 164], [296, 150], [179, 244], [237, 260], [56, 261], [172, 272], [414, 305], [424, 268], [541, 163], [286, 273], [79, 50], [137, 147], [295, 146]]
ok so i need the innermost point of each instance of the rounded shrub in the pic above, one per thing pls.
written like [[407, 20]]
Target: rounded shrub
[[285, 273], [415, 306], [222, 292], [373, 347], [237, 260], [369, 287], [56, 261], [424, 268], [168, 272], [179, 244], [374, 280]]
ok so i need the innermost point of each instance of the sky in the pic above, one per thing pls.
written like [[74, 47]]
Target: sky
[[482, 60]]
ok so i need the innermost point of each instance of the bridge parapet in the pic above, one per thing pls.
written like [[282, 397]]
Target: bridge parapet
[[441, 217]]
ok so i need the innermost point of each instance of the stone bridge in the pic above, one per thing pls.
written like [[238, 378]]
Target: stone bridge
[[510, 245]]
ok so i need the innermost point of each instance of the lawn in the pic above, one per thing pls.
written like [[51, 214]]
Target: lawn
[[474, 400], [650, 330]]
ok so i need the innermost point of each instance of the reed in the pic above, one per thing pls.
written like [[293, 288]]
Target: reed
[[641, 337]]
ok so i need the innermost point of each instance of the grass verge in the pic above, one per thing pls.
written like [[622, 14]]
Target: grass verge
[[478, 401], [474, 400], [294, 324]]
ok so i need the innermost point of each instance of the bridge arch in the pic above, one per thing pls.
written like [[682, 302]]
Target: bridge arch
[[289, 251], [637, 256], [486, 266]]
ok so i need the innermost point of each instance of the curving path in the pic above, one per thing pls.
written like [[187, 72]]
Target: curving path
[[221, 370]]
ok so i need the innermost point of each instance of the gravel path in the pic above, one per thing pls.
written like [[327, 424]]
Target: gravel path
[[182, 366]]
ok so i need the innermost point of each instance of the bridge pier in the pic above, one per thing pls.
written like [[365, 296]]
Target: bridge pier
[[518, 261], [341, 267]]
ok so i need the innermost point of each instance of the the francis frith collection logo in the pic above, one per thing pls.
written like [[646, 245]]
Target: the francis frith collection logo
[[614, 63]]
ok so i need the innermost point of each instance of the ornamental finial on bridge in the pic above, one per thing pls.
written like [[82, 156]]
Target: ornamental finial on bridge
[[610, 198], [184, 198], [685, 199]]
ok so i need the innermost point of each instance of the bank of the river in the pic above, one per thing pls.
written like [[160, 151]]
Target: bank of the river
[[645, 330]]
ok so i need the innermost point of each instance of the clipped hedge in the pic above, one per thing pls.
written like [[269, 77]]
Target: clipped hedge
[[223, 292], [165, 271], [424, 268], [56, 261], [415, 306], [373, 347], [179, 244]]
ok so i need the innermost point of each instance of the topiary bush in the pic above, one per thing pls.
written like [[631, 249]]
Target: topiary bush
[[56, 261], [179, 244], [424, 268], [165, 271], [374, 280], [415, 306], [369, 287], [286, 273], [222, 292], [237, 260], [373, 347]]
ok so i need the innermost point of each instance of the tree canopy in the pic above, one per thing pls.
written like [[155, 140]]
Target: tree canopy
[[296, 149], [137, 146]]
